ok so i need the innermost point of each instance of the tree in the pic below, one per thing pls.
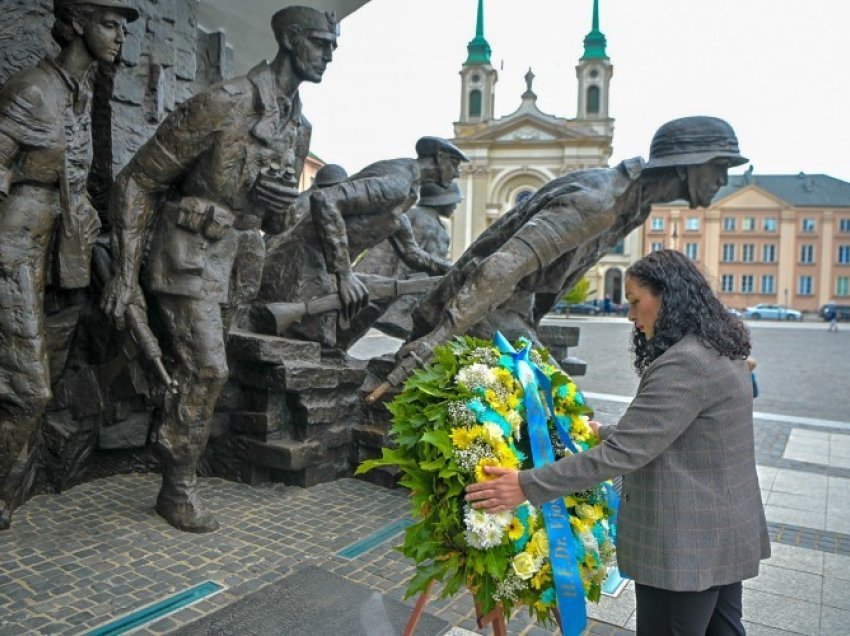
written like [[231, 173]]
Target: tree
[[577, 293]]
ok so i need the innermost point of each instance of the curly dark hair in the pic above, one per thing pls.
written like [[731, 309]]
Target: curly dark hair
[[688, 305]]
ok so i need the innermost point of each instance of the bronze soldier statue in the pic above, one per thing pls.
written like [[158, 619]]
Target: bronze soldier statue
[[554, 236], [45, 157], [313, 258], [227, 160], [435, 203]]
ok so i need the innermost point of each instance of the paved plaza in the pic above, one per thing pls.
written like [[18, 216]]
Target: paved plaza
[[76, 561]]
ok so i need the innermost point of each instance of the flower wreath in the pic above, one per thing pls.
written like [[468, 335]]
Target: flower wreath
[[478, 404]]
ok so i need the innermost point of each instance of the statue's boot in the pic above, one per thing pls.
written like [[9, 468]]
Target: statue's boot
[[180, 504], [5, 515]]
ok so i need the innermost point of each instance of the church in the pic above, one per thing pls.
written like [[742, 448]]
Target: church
[[514, 155]]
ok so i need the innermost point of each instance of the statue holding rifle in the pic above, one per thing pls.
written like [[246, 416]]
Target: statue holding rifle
[[227, 161], [312, 259]]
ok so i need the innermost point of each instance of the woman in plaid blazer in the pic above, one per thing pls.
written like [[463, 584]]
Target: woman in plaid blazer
[[691, 520]]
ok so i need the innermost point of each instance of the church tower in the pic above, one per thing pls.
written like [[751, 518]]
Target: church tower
[[594, 73], [478, 78]]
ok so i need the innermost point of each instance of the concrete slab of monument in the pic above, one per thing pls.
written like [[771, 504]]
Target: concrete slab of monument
[[314, 601]]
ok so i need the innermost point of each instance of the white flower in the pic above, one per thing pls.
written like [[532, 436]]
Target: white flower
[[483, 529], [494, 430], [476, 376]]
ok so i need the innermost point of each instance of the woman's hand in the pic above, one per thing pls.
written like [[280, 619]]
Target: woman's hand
[[496, 495], [594, 426]]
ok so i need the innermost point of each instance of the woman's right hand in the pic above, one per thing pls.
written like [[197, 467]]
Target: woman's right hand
[[594, 426]]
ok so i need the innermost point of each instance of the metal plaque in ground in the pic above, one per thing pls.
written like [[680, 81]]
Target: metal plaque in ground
[[313, 601]]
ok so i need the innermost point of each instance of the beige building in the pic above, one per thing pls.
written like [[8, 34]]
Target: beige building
[[782, 239], [512, 156]]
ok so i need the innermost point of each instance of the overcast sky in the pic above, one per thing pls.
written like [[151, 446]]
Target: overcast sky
[[777, 70]]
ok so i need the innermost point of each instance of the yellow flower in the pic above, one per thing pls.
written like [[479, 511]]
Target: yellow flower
[[507, 458], [581, 525], [515, 420], [480, 475], [543, 576], [516, 529], [462, 437], [539, 543], [589, 512], [513, 400], [524, 565], [570, 501]]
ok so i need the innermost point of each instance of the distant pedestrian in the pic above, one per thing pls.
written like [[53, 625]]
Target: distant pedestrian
[[832, 317], [606, 306]]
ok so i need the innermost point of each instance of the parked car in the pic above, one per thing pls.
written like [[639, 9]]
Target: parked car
[[586, 309], [775, 312], [734, 312], [842, 312]]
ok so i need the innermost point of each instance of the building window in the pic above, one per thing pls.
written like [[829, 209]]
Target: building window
[[767, 284], [727, 283], [747, 253], [657, 224], [842, 286], [728, 223], [593, 99], [692, 250], [804, 286], [844, 254], [747, 284], [808, 225], [768, 253], [844, 226], [475, 103], [807, 254], [728, 252], [692, 224], [619, 248], [522, 196], [770, 224], [656, 247], [748, 223]]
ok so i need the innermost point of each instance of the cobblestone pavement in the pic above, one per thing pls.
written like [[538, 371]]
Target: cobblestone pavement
[[74, 561]]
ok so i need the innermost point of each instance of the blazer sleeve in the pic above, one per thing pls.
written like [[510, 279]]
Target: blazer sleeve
[[667, 402]]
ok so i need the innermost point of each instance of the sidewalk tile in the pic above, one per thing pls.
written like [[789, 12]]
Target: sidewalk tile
[[756, 629], [816, 520], [781, 612], [833, 621], [799, 482], [814, 503], [794, 558], [789, 583], [614, 610], [836, 593]]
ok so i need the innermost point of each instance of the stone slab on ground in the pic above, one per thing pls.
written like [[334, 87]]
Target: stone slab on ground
[[313, 601]]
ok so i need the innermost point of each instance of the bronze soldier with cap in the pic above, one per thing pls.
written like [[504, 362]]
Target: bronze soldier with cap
[[228, 161], [436, 203], [353, 216], [548, 241], [45, 158]]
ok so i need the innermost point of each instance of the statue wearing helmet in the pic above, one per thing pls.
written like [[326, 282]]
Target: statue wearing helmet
[[45, 213], [520, 266]]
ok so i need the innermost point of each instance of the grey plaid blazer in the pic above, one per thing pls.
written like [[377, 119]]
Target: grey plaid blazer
[[691, 515]]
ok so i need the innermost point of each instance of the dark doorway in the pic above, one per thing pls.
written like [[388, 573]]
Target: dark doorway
[[614, 285]]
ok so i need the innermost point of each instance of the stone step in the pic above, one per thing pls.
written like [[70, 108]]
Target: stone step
[[282, 454], [255, 347]]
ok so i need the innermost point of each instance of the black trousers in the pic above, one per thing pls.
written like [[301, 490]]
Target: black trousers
[[716, 611]]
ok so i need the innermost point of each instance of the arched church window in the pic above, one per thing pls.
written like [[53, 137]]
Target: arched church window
[[522, 196], [475, 103], [593, 99]]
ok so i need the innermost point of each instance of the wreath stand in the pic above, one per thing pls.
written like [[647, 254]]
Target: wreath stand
[[495, 617]]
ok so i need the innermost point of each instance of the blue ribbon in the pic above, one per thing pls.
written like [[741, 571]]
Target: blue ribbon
[[562, 550]]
